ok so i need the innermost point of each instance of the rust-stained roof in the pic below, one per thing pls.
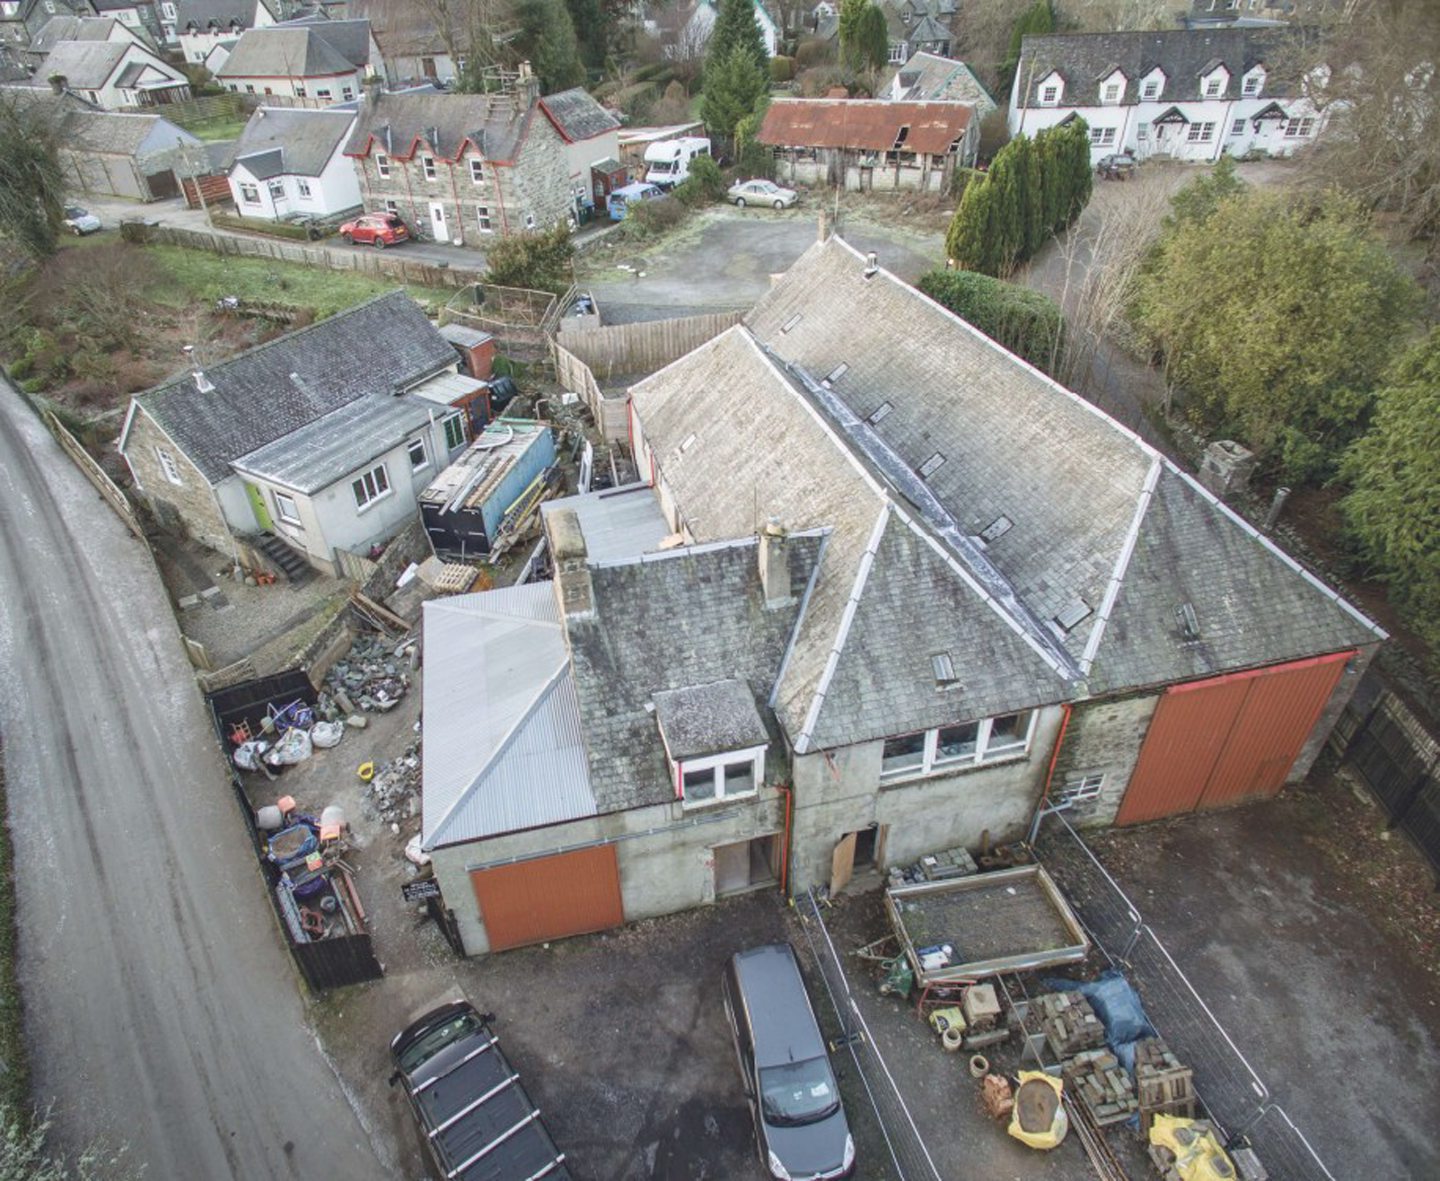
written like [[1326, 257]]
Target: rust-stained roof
[[866, 124]]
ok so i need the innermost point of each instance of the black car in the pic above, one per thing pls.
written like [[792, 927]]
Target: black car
[[1116, 166], [478, 1122], [785, 1067]]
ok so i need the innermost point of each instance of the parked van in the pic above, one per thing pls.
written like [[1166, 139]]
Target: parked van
[[785, 1068], [620, 198], [668, 162]]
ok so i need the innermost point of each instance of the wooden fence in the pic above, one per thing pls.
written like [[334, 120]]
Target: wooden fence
[[95, 474], [523, 322], [571, 373], [195, 112], [370, 262], [632, 349], [215, 189]]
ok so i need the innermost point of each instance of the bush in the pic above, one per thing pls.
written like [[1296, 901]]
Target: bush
[[782, 68], [703, 186], [960, 180], [814, 51], [1026, 322], [648, 219], [538, 261], [255, 225]]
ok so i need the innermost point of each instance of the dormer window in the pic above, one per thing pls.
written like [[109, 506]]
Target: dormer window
[[714, 740], [1111, 93], [1112, 88], [1213, 84], [1254, 82], [1049, 94], [1152, 86], [1050, 89]]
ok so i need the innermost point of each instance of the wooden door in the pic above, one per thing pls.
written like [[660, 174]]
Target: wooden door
[[549, 897], [842, 863]]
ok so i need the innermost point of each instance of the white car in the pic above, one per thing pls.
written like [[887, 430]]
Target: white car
[[80, 221], [762, 192]]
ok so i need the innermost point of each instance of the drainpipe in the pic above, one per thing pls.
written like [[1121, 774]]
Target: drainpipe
[[455, 192], [1050, 773], [785, 843]]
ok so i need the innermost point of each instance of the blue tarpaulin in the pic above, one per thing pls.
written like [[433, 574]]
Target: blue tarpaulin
[[1118, 1006]]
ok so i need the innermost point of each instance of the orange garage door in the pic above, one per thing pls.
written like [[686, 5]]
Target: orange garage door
[[1227, 739], [550, 897]]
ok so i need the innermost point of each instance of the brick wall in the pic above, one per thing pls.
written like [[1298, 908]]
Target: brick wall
[[192, 500]]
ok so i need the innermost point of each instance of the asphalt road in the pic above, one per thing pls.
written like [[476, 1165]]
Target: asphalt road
[[160, 1007]]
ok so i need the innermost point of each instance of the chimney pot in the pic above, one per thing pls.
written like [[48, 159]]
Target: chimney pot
[[775, 564], [872, 264]]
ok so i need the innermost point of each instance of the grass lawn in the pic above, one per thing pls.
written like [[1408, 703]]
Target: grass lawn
[[217, 129], [196, 276]]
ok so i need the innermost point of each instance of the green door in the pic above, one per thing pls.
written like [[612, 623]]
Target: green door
[[257, 503]]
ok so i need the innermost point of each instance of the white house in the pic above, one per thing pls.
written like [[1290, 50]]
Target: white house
[[292, 161], [114, 75], [1185, 94], [198, 25], [698, 28], [59, 29], [321, 59]]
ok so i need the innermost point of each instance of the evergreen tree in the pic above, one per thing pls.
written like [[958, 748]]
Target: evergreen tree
[[734, 86], [1078, 172], [32, 182], [1006, 230], [969, 241], [735, 25], [1053, 199], [589, 25], [850, 13], [1038, 18], [872, 39], [547, 40]]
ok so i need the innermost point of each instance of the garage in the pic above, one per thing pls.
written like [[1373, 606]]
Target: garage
[[1228, 739], [549, 897]]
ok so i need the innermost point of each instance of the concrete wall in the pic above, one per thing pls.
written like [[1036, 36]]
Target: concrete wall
[[579, 156], [841, 792], [1104, 738], [191, 502], [664, 852], [825, 167]]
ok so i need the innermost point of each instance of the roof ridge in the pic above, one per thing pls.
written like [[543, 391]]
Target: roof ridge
[[1122, 565], [288, 336], [500, 747]]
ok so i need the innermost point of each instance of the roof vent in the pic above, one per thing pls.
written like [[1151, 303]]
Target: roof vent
[[944, 667], [879, 413], [1072, 614], [791, 322], [871, 265], [931, 466], [1187, 622], [836, 374], [996, 529]]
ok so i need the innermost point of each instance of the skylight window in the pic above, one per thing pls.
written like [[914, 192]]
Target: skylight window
[[931, 466], [836, 374], [792, 321], [996, 529], [944, 667], [879, 413], [1072, 614]]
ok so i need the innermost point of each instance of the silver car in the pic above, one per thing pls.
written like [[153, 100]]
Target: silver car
[[80, 221], [762, 192]]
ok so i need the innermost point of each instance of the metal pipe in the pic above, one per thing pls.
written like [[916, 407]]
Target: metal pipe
[[1282, 494]]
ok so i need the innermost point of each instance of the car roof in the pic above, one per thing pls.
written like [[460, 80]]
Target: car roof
[[781, 1021]]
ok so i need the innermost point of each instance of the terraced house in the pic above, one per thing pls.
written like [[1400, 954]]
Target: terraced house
[[462, 167]]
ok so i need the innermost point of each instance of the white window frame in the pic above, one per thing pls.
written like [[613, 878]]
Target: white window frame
[[424, 461], [168, 465], [1049, 95], [1300, 127], [1237, 127], [428, 164], [250, 194], [455, 424], [716, 764], [367, 489], [1214, 87], [290, 516], [477, 171], [1250, 88], [985, 752], [1102, 137], [1082, 788], [276, 189], [1200, 133], [392, 206], [323, 94], [1151, 90], [302, 186], [897, 52], [1111, 94], [482, 219], [347, 93], [382, 165], [299, 90]]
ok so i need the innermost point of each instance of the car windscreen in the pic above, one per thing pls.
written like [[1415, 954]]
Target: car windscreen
[[798, 1092], [432, 1042]]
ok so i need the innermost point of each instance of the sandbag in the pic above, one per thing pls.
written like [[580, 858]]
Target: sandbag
[[327, 734], [1038, 1118], [294, 747]]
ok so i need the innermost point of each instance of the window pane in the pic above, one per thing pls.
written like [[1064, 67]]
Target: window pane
[[1008, 732], [361, 496], [382, 482], [739, 778], [700, 785], [957, 742], [906, 753]]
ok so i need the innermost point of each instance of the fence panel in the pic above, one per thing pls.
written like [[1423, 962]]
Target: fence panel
[[645, 346], [93, 472]]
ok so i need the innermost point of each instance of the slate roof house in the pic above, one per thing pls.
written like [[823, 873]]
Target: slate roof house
[[84, 28], [926, 77], [321, 438], [460, 167], [870, 143], [291, 161], [321, 59], [891, 589], [114, 75], [1184, 94], [21, 20], [412, 46], [197, 26], [591, 135]]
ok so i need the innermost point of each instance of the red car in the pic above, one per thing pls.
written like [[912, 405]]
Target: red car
[[375, 229]]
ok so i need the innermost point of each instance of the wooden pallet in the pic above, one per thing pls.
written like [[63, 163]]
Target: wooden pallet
[[1162, 1084]]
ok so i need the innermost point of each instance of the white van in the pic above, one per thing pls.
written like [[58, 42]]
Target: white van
[[668, 162]]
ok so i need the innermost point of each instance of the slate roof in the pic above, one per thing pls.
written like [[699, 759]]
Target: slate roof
[[1093, 516], [295, 141], [1083, 59], [577, 116], [278, 387], [285, 51], [709, 719], [492, 122], [929, 76], [72, 28], [204, 15], [87, 65], [502, 746], [117, 133], [401, 27], [673, 620], [349, 38], [870, 125]]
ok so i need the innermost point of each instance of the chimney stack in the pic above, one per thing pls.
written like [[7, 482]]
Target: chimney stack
[[202, 383], [824, 230], [775, 564], [58, 83], [872, 265], [572, 568]]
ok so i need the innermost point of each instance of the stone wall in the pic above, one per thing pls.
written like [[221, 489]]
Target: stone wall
[[190, 503], [1104, 738]]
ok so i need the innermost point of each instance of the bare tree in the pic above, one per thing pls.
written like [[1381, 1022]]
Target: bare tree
[[683, 40]]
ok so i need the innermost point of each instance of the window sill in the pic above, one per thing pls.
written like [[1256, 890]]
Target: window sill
[[372, 502], [959, 767], [717, 801]]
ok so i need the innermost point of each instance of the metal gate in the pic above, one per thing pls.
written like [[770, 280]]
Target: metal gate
[[549, 897], [1229, 738]]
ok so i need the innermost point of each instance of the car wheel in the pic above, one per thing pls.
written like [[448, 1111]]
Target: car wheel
[[739, 202], [348, 239], [77, 231], [779, 204], [378, 243]]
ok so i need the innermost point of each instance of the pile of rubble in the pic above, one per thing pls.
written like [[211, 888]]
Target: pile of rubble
[[394, 791], [372, 678]]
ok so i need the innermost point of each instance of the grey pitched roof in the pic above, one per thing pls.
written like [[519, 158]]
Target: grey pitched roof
[[292, 140], [119, 133], [131, 74], [492, 122], [1083, 59], [928, 76], [275, 388], [503, 747], [86, 65], [71, 28], [300, 51], [577, 115], [673, 620], [702, 720], [214, 14], [1033, 504], [349, 38], [401, 27]]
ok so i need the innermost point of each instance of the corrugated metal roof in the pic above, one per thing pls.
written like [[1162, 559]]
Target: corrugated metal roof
[[618, 523], [446, 388], [502, 747], [866, 124]]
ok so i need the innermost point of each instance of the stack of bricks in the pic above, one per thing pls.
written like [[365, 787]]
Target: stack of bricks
[[1068, 1022], [1103, 1085], [950, 863], [1163, 1085]]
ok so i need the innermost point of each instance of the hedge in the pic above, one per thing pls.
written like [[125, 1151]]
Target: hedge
[[274, 229], [1026, 322]]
